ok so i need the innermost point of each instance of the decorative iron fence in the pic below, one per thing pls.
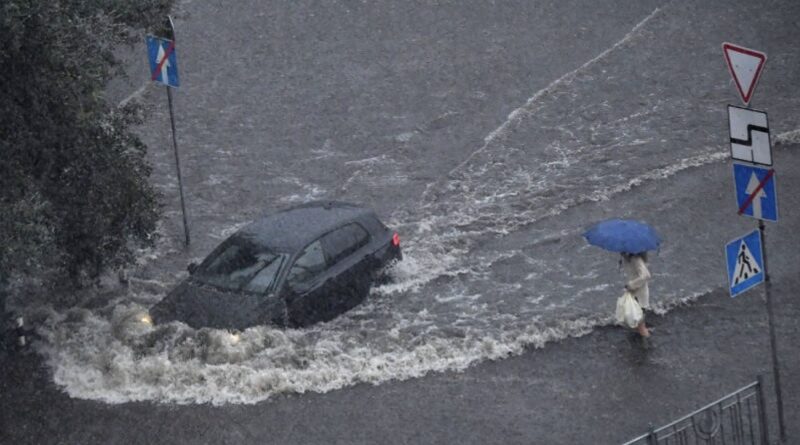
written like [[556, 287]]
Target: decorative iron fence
[[736, 419]]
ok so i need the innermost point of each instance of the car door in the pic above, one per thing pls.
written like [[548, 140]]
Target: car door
[[308, 286], [349, 265]]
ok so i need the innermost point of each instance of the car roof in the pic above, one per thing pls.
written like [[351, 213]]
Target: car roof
[[292, 229]]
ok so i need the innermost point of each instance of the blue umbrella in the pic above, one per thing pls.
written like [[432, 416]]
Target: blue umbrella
[[623, 235]]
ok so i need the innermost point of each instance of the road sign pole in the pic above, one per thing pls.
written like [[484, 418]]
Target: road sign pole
[[772, 342], [177, 164], [169, 26]]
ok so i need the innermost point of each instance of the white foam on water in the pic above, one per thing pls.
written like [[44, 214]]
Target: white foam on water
[[109, 354], [433, 262], [309, 192], [419, 267], [326, 151], [117, 359], [217, 180], [135, 96], [405, 137], [788, 137], [229, 230]]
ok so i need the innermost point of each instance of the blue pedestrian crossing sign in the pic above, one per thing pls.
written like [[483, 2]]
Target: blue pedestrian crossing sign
[[745, 263], [163, 62], [756, 194]]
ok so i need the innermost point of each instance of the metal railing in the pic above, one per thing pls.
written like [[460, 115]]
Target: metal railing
[[736, 419]]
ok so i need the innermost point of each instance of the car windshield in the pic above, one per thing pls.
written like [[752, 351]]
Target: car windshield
[[240, 265]]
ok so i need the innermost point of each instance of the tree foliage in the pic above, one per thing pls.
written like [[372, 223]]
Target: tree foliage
[[74, 189]]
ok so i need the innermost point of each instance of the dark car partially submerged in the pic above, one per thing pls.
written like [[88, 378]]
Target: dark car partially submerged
[[296, 267]]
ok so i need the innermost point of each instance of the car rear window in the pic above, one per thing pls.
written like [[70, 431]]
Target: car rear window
[[374, 224], [343, 241]]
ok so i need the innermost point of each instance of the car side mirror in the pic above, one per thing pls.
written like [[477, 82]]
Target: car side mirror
[[294, 290], [191, 267]]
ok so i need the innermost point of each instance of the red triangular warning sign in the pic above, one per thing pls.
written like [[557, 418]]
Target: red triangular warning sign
[[745, 66]]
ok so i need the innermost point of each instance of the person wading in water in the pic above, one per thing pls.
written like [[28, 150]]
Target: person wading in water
[[637, 276]]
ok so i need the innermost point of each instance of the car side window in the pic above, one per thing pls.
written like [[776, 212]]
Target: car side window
[[343, 241], [308, 265]]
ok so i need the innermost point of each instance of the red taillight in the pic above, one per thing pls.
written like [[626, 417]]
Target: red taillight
[[396, 240]]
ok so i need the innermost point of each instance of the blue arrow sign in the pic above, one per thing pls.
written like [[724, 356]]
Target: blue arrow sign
[[745, 263], [163, 62], [756, 194]]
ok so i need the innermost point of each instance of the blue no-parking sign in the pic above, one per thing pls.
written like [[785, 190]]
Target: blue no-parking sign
[[756, 194], [745, 263], [163, 62]]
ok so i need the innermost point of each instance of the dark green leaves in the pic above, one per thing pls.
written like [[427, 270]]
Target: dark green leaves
[[74, 190]]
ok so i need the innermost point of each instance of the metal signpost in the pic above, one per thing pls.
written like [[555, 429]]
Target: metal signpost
[[756, 194], [164, 69]]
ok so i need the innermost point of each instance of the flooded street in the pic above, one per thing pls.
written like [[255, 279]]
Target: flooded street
[[490, 135]]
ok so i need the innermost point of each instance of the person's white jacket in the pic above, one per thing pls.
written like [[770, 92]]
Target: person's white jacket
[[637, 276]]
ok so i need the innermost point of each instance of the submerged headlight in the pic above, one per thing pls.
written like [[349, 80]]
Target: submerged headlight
[[235, 337], [145, 319]]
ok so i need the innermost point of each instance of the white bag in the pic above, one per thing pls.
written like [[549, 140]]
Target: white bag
[[628, 311]]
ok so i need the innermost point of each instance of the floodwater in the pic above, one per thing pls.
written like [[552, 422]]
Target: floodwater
[[489, 135]]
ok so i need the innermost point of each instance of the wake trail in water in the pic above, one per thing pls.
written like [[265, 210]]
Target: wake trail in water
[[562, 81]]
